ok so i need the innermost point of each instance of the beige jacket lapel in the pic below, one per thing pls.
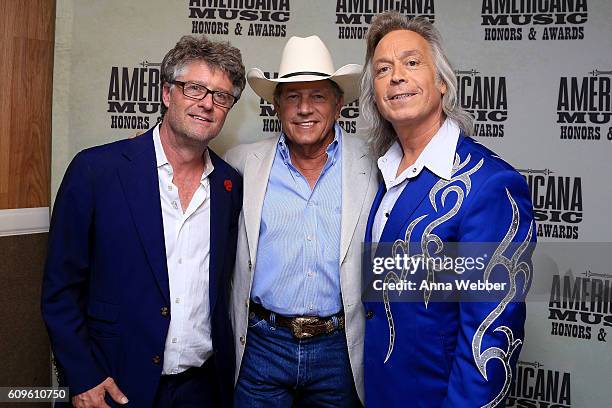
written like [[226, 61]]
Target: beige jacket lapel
[[356, 174], [257, 169]]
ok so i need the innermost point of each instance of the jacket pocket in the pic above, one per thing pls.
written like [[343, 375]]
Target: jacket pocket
[[102, 319]]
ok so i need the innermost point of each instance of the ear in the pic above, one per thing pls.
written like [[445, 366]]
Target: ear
[[166, 94], [339, 106], [442, 87]]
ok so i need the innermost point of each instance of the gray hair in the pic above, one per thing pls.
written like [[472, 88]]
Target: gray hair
[[380, 131], [217, 54]]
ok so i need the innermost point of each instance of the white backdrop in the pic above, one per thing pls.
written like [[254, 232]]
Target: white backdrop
[[536, 73]]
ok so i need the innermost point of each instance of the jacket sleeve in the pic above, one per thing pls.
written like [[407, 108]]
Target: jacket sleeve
[[66, 278], [491, 329]]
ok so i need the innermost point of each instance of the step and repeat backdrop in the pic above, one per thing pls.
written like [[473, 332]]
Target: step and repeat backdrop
[[536, 74]]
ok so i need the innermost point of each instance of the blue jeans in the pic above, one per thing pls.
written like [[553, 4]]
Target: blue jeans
[[279, 370]]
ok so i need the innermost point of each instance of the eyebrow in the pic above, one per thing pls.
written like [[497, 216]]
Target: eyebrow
[[403, 54], [208, 87]]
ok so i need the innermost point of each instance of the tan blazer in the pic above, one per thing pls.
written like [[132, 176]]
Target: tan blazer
[[359, 185]]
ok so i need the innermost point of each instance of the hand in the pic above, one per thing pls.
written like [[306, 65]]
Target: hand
[[94, 397]]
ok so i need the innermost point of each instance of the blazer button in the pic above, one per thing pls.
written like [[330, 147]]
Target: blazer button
[[164, 311], [369, 314], [242, 340], [156, 359]]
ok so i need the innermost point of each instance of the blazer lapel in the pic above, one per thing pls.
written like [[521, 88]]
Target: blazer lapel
[[141, 188], [412, 196], [356, 174], [415, 191], [375, 204], [256, 174], [219, 224]]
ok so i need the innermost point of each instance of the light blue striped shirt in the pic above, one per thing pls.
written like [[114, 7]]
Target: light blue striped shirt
[[297, 272]]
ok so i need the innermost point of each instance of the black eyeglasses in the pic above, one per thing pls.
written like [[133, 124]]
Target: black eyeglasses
[[197, 91]]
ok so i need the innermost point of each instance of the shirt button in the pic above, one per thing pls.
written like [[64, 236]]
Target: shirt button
[[156, 359], [169, 188], [180, 261], [174, 205], [309, 238], [369, 314], [174, 340], [310, 203], [164, 311], [414, 170], [311, 307], [178, 300], [310, 273], [242, 340]]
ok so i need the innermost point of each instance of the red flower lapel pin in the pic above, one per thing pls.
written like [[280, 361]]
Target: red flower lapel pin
[[228, 184]]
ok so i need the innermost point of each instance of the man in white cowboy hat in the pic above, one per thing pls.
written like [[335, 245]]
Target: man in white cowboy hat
[[296, 296]]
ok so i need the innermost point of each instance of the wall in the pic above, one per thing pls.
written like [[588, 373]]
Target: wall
[[547, 75], [26, 51]]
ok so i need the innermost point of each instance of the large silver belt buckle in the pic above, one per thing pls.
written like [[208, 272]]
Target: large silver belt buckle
[[297, 325]]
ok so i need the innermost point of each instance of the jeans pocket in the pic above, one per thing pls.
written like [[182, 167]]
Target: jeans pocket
[[255, 321]]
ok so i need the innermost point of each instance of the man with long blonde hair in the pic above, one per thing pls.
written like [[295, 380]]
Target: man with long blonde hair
[[440, 189]]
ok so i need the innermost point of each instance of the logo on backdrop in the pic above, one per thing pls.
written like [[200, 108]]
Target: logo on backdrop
[[546, 20], [581, 307], [557, 203], [538, 386], [270, 123], [353, 17], [252, 18], [134, 96], [584, 107], [267, 113], [486, 98]]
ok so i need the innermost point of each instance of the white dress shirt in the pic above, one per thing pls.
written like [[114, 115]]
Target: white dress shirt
[[438, 157], [187, 239]]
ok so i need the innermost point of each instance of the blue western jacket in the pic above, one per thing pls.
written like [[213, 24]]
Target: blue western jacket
[[437, 349]]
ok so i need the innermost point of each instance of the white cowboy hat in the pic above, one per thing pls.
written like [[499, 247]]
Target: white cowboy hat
[[303, 60]]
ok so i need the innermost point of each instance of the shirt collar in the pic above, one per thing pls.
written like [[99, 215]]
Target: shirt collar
[[160, 155], [438, 156], [162, 160]]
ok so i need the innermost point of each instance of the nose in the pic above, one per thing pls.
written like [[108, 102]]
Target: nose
[[397, 79], [304, 106], [206, 102], [397, 76]]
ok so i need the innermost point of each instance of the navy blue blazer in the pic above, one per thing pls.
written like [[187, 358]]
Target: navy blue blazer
[[105, 295], [448, 349]]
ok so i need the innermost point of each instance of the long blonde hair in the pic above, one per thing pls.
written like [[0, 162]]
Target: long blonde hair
[[380, 131]]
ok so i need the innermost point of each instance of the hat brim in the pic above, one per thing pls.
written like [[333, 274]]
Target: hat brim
[[347, 78]]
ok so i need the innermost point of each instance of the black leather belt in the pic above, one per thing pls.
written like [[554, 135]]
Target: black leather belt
[[302, 327]]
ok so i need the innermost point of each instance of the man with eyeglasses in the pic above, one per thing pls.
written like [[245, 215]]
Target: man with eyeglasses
[[142, 246]]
